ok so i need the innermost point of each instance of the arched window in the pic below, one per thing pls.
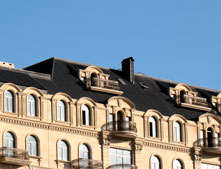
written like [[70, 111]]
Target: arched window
[[177, 134], [61, 111], [153, 127], [155, 162], [63, 151], [84, 151], [94, 79], [177, 164], [9, 101], [32, 106], [86, 115], [9, 140], [32, 146]]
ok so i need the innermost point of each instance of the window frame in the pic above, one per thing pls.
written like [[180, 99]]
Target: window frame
[[178, 131], [153, 163], [86, 115], [62, 114], [32, 106], [33, 145], [178, 162], [155, 128], [9, 102], [12, 140], [63, 156]]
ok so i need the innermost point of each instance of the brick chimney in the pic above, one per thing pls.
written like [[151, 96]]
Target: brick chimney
[[128, 69]]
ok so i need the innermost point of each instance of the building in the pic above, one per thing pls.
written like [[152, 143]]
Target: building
[[59, 114]]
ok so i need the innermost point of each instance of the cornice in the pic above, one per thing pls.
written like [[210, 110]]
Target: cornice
[[166, 146], [49, 126]]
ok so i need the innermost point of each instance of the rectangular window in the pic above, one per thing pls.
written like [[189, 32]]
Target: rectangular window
[[120, 157], [209, 166]]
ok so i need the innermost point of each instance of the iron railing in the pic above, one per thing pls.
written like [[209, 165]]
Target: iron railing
[[122, 166], [120, 126], [83, 163], [14, 153], [103, 83], [194, 100], [214, 142]]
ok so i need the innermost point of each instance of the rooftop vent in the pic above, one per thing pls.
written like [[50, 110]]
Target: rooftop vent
[[5, 64]]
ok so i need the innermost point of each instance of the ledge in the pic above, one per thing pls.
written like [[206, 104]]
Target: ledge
[[111, 91], [195, 107]]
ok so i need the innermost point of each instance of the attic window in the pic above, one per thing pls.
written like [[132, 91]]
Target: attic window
[[185, 97], [94, 79]]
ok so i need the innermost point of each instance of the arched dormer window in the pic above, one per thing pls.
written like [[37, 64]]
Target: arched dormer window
[[86, 115], [155, 162], [177, 164], [32, 146], [153, 128], [177, 131], [63, 151], [61, 111], [9, 101], [32, 106]]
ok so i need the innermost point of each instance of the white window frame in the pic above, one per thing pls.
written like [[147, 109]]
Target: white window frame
[[32, 109], [209, 166], [63, 151], [86, 115], [9, 101], [61, 111], [155, 162], [9, 140], [32, 146], [177, 131], [153, 129], [120, 157], [177, 164]]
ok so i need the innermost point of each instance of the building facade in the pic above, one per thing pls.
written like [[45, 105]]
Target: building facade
[[59, 114]]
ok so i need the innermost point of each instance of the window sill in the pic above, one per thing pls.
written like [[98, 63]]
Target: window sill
[[33, 117], [10, 113], [87, 127], [154, 138], [179, 142], [35, 157], [62, 161], [67, 123]]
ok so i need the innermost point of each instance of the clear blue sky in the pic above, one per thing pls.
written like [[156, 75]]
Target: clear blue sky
[[178, 40]]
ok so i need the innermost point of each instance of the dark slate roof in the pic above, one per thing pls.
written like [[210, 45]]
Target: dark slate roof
[[146, 93]]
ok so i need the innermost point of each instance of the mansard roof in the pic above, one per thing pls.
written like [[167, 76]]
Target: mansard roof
[[146, 92]]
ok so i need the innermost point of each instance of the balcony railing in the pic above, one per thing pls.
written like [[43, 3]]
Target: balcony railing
[[103, 83], [210, 144], [122, 166], [14, 156], [194, 100], [83, 163], [122, 128]]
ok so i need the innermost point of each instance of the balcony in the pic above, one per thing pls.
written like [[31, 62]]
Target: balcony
[[122, 166], [14, 156], [103, 85], [121, 128], [195, 102], [86, 164], [210, 145]]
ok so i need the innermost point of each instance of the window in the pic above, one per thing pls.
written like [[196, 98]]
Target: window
[[32, 146], [155, 162], [153, 127], [177, 164], [61, 111], [9, 101], [63, 151], [84, 152], [209, 166], [32, 106], [9, 140], [177, 131], [86, 115], [120, 157]]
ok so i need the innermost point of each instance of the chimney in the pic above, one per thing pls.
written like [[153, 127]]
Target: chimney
[[7, 65], [128, 69]]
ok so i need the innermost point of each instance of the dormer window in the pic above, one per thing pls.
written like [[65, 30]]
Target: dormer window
[[185, 97], [94, 79]]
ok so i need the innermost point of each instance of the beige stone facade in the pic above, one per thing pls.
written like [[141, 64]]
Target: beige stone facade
[[100, 136]]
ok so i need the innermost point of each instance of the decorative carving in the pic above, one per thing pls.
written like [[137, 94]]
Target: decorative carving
[[197, 158], [106, 142], [209, 119], [138, 147], [119, 102]]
